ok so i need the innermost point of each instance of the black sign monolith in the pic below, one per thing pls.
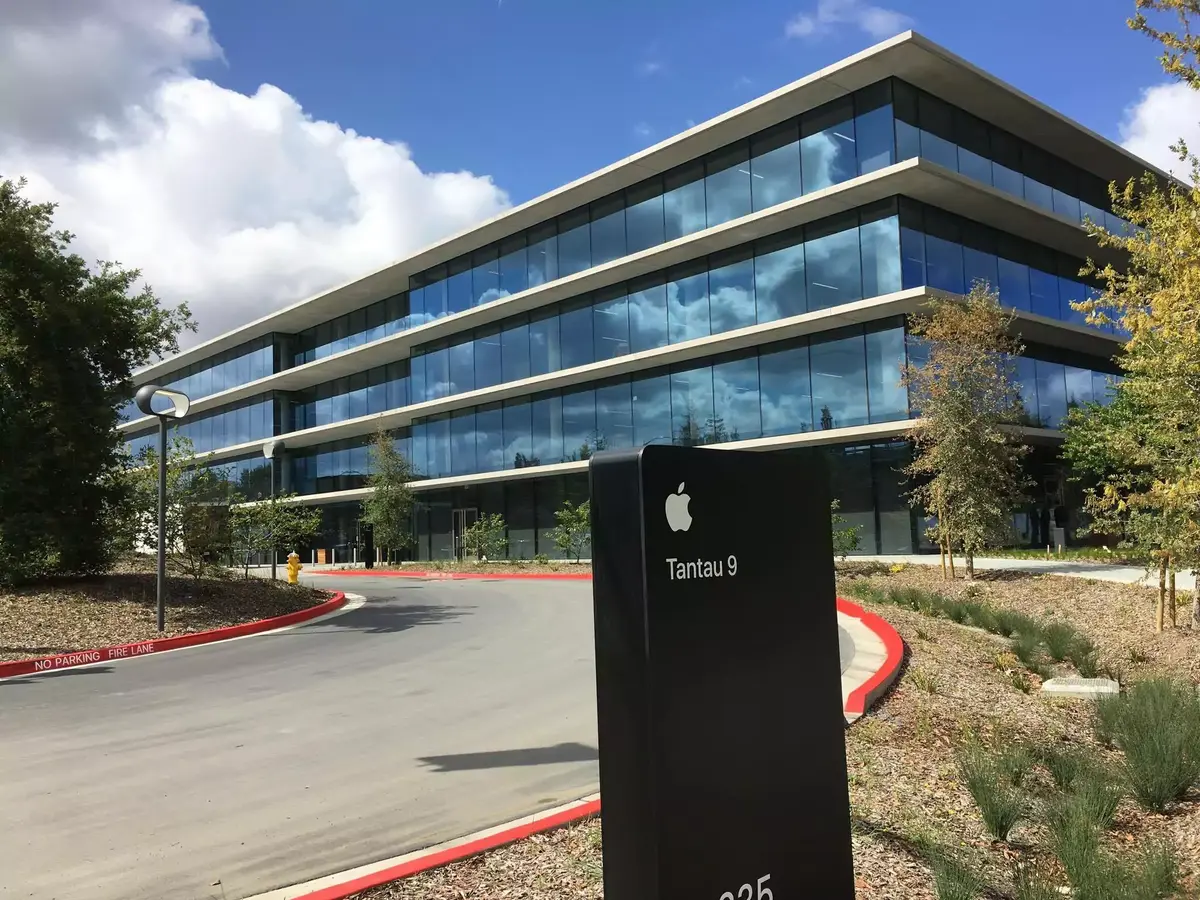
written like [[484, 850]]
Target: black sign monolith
[[722, 754]]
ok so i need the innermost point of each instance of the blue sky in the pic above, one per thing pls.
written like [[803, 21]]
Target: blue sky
[[537, 92]]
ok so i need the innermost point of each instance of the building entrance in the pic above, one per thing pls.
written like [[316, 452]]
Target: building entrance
[[464, 518]]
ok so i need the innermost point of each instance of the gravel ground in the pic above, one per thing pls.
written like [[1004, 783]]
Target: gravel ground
[[904, 785], [120, 608]]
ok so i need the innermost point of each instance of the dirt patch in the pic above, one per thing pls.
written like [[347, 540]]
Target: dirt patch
[[905, 789], [63, 617]]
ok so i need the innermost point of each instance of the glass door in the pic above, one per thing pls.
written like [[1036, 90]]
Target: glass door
[[463, 519]]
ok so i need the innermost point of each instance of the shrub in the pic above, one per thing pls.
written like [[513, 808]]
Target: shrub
[[1028, 649], [1000, 806], [1020, 682], [1014, 764], [980, 615], [925, 681], [1034, 882], [1157, 726], [1064, 766], [864, 590], [541, 558], [1092, 800], [1010, 623], [1060, 639], [1085, 657], [1076, 843], [953, 879], [955, 610], [908, 597]]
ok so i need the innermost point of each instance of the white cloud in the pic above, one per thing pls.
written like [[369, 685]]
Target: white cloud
[[876, 21], [642, 130], [1164, 114], [650, 67], [238, 204]]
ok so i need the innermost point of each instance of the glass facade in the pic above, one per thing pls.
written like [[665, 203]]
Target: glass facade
[[355, 328], [237, 423], [338, 465], [364, 393]]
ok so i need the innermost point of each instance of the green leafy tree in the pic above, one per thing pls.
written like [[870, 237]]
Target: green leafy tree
[[70, 340], [389, 508], [573, 532], [487, 537], [967, 464], [271, 525], [845, 540]]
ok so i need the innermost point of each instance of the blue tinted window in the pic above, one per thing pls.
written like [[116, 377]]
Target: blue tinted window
[[980, 267], [575, 324], [683, 201], [547, 429], [912, 257], [462, 443], [1052, 393], [462, 367], [614, 416], [542, 255], [827, 145], [1070, 291], [1066, 205], [1006, 163], [775, 166], [833, 263], [786, 398], [416, 377], [579, 424], [839, 382], [437, 446], [937, 131], [514, 351], [489, 369], [608, 230], [459, 290], [489, 438], [544, 345], [610, 327], [687, 305], [652, 410], [880, 245], [727, 184], [731, 292], [1079, 386], [437, 373], [886, 396], [1014, 283], [974, 147], [737, 416], [437, 303], [644, 216], [873, 129], [1043, 293], [518, 434], [779, 288], [1099, 387], [945, 260], [574, 243], [514, 265], [647, 316], [692, 406], [1037, 170]]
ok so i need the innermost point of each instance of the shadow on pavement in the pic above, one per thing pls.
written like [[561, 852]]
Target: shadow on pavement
[[388, 618], [59, 673], [500, 759]]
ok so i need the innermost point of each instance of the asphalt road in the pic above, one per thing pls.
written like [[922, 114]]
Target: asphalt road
[[436, 709]]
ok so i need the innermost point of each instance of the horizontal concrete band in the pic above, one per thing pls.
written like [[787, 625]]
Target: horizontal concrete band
[[908, 56], [918, 179]]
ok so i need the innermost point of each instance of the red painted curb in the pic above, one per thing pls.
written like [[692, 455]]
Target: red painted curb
[[144, 648], [454, 576], [440, 858], [870, 690]]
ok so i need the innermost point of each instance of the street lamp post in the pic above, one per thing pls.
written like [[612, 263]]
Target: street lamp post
[[270, 449], [179, 403]]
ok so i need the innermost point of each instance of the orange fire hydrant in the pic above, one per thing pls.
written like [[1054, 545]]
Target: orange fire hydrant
[[294, 567]]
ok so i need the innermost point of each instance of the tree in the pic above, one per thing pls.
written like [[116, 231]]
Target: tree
[[268, 526], [389, 508], [574, 529], [70, 340], [198, 509], [845, 540], [967, 464], [487, 537]]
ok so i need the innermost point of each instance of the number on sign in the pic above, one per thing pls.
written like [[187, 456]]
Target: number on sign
[[732, 564], [745, 892]]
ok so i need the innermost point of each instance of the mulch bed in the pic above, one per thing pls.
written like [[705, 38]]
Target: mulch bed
[[904, 784], [120, 608]]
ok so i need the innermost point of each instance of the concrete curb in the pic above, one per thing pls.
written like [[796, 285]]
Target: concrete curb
[[862, 697], [144, 648]]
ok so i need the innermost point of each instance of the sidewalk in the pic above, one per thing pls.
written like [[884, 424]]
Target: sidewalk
[[1099, 571]]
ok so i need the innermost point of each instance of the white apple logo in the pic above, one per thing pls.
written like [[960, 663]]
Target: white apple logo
[[678, 516]]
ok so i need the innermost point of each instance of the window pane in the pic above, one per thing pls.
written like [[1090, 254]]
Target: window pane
[[610, 325], [687, 305], [1043, 293], [886, 396], [943, 252], [518, 435], [937, 131], [1079, 386], [827, 145], [731, 292], [437, 446], [873, 130], [652, 410], [683, 200], [579, 424], [1036, 166], [437, 373], [912, 257], [644, 216], [462, 367], [1052, 394], [458, 286], [647, 317], [514, 265], [980, 267], [908, 135], [575, 323], [1014, 283], [547, 430], [880, 241], [833, 264], [779, 281], [488, 370], [1006, 163], [514, 351], [973, 147], [775, 166], [786, 399], [544, 347], [737, 416], [574, 243], [727, 184], [614, 416], [839, 382], [542, 254], [462, 443], [608, 230], [692, 406], [489, 438]]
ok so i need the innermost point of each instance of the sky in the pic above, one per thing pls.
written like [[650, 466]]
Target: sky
[[245, 154]]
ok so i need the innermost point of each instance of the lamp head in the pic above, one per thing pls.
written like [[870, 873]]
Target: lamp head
[[148, 393]]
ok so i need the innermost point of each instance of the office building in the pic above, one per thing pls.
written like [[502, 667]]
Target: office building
[[742, 284]]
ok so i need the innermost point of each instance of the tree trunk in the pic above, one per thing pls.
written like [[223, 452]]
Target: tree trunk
[[1160, 609], [1195, 607], [950, 553], [970, 561], [942, 548], [1171, 607]]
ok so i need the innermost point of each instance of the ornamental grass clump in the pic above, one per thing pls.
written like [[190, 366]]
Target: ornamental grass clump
[[1000, 803]]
